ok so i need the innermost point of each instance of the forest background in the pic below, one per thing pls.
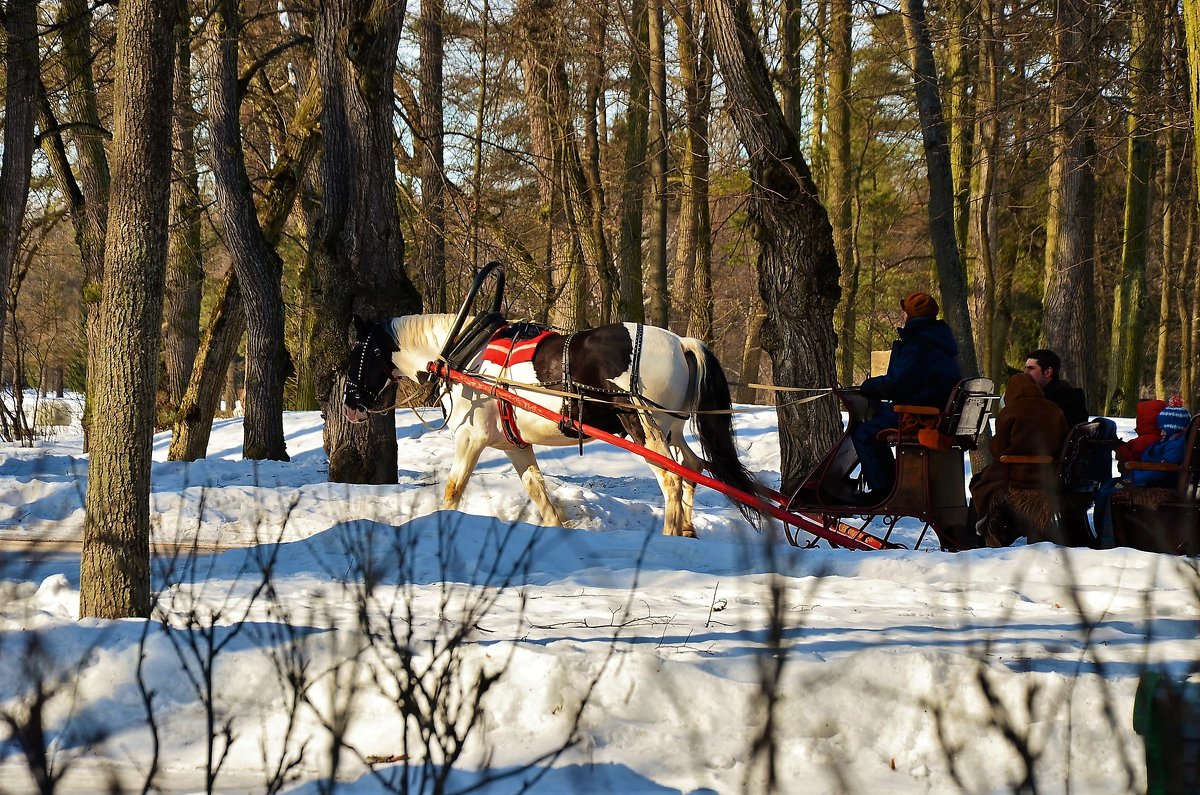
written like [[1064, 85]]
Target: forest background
[[196, 195]]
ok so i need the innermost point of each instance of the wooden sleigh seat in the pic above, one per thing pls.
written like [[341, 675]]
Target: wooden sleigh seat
[[1058, 511], [930, 445], [1163, 519]]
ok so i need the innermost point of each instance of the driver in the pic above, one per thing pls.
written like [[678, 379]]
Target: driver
[[922, 371]]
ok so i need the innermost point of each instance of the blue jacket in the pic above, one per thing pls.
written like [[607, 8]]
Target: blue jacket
[[1167, 451], [924, 366]]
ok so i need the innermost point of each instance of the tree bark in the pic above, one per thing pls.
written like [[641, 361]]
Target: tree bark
[[227, 320], [185, 259], [85, 181], [658, 308], [951, 273], [840, 176], [633, 178], [693, 234], [259, 269], [797, 264], [594, 84], [21, 64], [569, 241], [115, 561], [1068, 303], [992, 273], [1167, 271], [432, 265], [1129, 301], [960, 83], [356, 246]]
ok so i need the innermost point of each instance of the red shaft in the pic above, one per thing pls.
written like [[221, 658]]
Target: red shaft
[[859, 540]]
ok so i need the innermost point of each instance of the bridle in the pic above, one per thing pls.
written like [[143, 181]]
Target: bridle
[[354, 388]]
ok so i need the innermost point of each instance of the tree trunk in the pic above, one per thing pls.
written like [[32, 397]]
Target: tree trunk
[[193, 420], [693, 247], [1167, 273], [259, 269], [794, 60], [1191, 24], [594, 82], [185, 258], [960, 85], [114, 579], [951, 273], [21, 64], [85, 180], [633, 179], [817, 151], [432, 265], [356, 246], [989, 280], [561, 179], [1184, 307], [227, 321], [1129, 303], [840, 177], [751, 360], [797, 264], [659, 304], [1069, 296]]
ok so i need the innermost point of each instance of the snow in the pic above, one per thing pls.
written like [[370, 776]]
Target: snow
[[616, 659]]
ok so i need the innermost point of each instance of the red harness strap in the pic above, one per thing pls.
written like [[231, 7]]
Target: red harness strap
[[511, 345]]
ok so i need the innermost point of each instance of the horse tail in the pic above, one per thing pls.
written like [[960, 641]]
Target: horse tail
[[714, 425]]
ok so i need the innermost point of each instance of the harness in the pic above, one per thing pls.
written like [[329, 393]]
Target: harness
[[510, 345]]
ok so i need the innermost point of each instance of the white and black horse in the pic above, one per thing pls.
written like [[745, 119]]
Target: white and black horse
[[613, 368]]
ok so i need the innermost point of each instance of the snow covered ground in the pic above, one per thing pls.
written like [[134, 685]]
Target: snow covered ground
[[334, 633]]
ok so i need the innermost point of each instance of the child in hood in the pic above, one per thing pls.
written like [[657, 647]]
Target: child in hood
[[1146, 428], [1172, 422]]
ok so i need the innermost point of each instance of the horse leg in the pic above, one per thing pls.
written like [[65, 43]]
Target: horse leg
[[467, 448], [676, 522], [694, 463], [531, 476]]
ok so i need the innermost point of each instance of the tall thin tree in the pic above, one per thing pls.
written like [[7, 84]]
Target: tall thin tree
[[21, 65], [1127, 349]]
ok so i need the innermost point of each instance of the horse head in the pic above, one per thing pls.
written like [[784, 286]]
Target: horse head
[[370, 374]]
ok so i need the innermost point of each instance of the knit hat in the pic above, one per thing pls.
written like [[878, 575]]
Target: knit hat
[[1174, 418], [919, 304]]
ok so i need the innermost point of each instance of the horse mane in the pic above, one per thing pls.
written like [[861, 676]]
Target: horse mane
[[426, 333]]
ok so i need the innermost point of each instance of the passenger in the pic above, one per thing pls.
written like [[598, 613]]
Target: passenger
[[1046, 369], [923, 370], [1148, 433], [1173, 422], [1146, 428], [1028, 424]]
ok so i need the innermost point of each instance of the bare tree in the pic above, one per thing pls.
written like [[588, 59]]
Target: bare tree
[[21, 64], [952, 276], [1127, 350], [633, 189], [1068, 307], [185, 259]]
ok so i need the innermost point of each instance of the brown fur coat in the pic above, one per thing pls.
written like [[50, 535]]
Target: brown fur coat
[[1029, 424]]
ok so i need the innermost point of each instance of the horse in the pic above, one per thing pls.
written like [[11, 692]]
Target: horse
[[623, 378]]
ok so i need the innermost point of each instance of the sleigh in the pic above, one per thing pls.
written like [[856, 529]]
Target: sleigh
[[929, 446]]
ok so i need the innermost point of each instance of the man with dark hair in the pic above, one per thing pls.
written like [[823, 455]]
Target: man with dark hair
[[922, 371], [1045, 367]]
